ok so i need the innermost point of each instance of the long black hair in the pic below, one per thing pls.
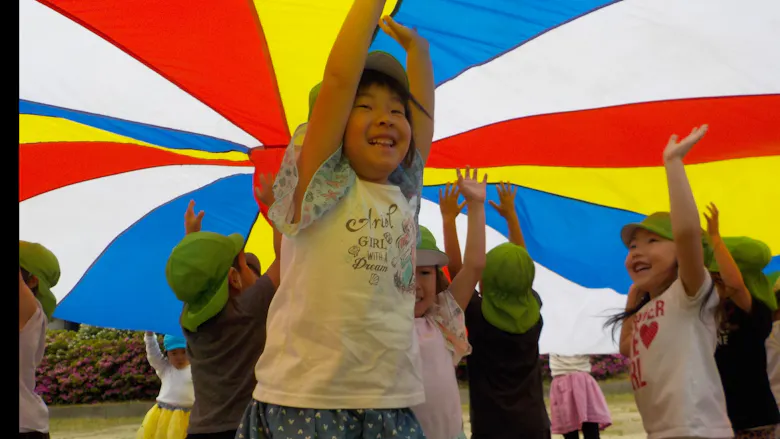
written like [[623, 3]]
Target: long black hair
[[644, 300]]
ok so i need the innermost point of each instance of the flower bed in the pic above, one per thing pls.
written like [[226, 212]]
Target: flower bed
[[104, 365], [95, 365]]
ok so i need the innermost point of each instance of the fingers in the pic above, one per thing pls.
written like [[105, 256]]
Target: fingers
[[460, 206], [495, 206], [200, 215]]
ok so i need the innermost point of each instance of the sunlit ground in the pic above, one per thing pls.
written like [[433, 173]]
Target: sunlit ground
[[625, 423]]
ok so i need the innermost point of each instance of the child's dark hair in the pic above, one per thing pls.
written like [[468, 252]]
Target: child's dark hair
[[26, 278], [442, 284], [620, 317], [374, 77]]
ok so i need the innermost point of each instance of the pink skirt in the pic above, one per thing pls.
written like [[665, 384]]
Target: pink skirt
[[576, 398]]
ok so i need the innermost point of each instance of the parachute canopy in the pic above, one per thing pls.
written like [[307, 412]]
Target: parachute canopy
[[128, 110]]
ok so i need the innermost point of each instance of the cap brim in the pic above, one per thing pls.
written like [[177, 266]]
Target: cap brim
[[428, 258], [238, 242], [629, 229], [387, 64], [194, 315]]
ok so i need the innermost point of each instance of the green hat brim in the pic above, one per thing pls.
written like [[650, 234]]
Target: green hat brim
[[378, 60], [629, 229], [47, 298], [428, 258], [195, 314]]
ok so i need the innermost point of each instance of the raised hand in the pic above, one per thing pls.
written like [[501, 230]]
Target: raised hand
[[473, 190], [506, 198], [713, 223], [678, 150], [405, 36], [192, 222], [448, 201], [264, 189]]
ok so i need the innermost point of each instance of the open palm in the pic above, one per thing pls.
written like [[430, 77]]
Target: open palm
[[470, 187], [678, 150]]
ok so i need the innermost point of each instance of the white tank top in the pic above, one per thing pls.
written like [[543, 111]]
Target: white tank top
[[341, 325], [33, 414]]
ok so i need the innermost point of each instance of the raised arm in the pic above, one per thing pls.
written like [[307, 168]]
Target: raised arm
[[264, 192], [28, 304], [336, 97], [450, 209], [273, 271], [506, 196], [421, 83], [153, 354], [192, 222], [735, 288], [463, 284], [684, 214]]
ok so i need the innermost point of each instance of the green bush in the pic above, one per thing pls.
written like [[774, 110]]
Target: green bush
[[106, 365], [95, 365]]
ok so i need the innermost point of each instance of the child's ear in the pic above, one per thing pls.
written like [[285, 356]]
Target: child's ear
[[234, 278], [32, 282]]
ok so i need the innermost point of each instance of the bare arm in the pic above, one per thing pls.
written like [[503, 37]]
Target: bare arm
[[735, 288], [334, 102], [450, 209], [273, 271], [28, 304], [685, 215], [421, 84], [463, 284], [506, 208]]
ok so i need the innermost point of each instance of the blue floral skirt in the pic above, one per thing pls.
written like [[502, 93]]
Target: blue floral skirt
[[270, 421]]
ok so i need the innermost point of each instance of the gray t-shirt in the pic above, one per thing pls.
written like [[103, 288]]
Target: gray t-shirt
[[223, 353]]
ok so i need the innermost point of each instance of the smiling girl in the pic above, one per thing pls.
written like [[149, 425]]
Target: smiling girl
[[669, 327]]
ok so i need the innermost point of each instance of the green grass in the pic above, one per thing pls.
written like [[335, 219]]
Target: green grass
[[72, 425]]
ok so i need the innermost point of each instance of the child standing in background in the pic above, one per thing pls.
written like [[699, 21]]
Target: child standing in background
[[39, 271], [773, 346], [439, 319], [170, 416], [576, 401]]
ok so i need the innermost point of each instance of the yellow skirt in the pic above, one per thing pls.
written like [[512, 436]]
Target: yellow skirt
[[164, 423]]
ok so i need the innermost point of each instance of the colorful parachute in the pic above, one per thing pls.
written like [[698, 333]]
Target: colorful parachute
[[128, 110]]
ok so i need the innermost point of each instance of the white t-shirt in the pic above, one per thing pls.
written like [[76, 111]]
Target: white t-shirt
[[33, 413], [176, 388], [566, 364], [341, 325], [676, 383], [773, 360]]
